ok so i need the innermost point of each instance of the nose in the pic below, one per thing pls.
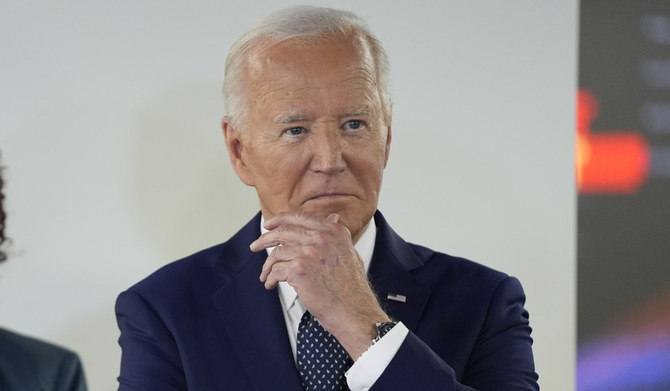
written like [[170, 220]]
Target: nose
[[327, 152]]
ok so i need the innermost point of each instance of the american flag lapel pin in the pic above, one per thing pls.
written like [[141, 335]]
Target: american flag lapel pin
[[396, 297]]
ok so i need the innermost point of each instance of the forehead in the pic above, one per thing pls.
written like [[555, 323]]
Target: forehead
[[319, 71]]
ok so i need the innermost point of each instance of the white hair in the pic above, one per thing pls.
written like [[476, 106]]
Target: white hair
[[304, 24]]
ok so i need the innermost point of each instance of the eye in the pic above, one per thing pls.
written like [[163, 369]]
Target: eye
[[297, 131], [354, 124]]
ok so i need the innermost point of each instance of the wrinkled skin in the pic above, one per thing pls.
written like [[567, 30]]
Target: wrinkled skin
[[314, 145]]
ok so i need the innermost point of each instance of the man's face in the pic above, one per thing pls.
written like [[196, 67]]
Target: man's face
[[315, 138]]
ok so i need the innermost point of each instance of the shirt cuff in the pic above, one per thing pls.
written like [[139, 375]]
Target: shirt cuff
[[372, 363]]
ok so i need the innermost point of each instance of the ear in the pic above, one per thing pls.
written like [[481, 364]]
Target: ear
[[235, 146], [388, 145]]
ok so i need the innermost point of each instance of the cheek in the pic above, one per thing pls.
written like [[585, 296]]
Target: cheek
[[375, 155], [368, 166], [276, 174]]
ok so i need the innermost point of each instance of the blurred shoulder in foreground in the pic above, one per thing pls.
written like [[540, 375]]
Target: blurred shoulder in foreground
[[28, 364]]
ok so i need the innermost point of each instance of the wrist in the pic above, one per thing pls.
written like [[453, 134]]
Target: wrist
[[357, 335]]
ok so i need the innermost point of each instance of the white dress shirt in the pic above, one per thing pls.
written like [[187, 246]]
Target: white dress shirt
[[367, 368]]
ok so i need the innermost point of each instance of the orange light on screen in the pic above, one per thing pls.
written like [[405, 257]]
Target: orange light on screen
[[609, 162]]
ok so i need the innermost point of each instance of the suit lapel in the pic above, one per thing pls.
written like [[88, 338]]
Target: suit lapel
[[402, 296], [253, 317]]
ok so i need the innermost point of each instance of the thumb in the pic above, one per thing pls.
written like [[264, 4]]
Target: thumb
[[333, 218]]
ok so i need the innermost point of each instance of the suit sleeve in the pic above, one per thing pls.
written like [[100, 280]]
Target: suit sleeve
[[150, 358], [501, 358]]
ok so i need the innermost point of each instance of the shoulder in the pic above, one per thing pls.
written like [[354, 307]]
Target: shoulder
[[181, 278], [460, 266], [31, 348], [173, 296], [457, 275], [25, 360], [196, 265], [203, 269], [434, 269]]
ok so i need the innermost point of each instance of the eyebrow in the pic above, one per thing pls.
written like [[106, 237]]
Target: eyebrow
[[289, 119], [283, 119], [363, 111]]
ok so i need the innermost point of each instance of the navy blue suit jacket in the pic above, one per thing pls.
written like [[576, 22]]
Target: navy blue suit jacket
[[207, 323]]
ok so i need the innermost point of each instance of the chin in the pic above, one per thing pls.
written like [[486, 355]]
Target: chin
[[323, 210], [351, 210]]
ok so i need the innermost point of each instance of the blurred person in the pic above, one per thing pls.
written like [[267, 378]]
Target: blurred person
[[317, 292], [28, 364]]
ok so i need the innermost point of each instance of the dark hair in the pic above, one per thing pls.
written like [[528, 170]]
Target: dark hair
[[3, 256]]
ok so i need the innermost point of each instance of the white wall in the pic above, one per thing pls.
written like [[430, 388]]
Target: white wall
[[115, 163]]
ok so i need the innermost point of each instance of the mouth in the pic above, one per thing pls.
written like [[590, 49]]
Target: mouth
[[328, 196]]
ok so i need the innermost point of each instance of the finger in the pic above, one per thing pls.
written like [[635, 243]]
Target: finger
[[306, 219], [277, 255], [267, 268], [283, 235], [278, 273], [333, 218]]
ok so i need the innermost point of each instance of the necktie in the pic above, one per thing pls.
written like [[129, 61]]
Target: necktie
[[322, 361]]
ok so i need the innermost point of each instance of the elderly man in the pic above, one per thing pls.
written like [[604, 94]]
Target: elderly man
[[317, 292]]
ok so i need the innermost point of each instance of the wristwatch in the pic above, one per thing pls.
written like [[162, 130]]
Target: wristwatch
[[382, 329]]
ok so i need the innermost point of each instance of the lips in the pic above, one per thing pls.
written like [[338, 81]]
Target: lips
[[328, 196]]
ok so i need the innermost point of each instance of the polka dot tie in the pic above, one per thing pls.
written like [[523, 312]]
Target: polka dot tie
[[322, 361]]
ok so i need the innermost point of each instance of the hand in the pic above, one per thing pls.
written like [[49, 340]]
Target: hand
[[317, 258]]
